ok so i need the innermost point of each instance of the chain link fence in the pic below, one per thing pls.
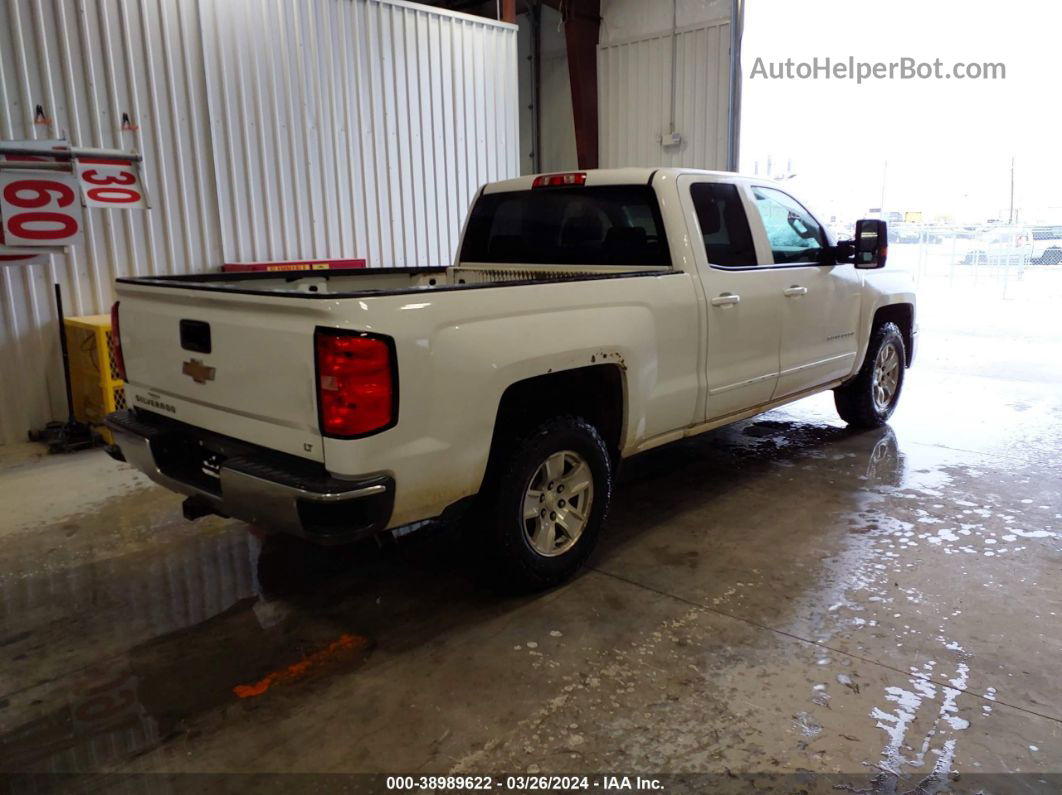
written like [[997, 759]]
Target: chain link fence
[[1013, 262]]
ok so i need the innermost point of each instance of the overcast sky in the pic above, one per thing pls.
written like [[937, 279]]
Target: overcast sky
[[948, 143]]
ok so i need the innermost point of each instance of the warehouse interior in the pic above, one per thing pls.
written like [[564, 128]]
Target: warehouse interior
[[782, 603]]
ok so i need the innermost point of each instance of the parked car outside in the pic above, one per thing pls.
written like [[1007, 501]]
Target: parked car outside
[[1009, 246]]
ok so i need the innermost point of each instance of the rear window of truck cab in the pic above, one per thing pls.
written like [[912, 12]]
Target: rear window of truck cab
[[583, 225]]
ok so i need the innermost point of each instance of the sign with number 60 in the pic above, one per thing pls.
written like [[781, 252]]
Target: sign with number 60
[[109, 182], [39, 209]]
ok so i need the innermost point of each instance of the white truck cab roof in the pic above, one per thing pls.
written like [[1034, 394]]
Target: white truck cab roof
[[639, 175]]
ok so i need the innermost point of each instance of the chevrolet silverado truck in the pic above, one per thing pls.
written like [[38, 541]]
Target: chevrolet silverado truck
[[587, 317]]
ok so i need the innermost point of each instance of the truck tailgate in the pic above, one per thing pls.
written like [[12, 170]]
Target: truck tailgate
[[239, 365]]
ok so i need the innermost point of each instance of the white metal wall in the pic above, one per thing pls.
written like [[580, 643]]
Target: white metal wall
[[87, 63], [364, 128], [634, 95], [270, 129]]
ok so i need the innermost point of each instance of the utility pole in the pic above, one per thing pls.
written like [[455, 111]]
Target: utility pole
[[1010, 218], [884, 174]]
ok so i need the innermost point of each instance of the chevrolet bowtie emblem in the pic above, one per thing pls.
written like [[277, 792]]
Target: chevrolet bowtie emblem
[[199, 372]]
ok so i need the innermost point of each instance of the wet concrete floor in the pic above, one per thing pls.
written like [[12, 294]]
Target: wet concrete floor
[[872, 611]]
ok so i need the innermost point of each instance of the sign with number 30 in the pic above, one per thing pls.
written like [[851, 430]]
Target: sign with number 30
[[107, 182]]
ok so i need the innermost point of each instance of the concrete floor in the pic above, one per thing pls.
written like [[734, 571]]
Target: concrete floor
[[877, 612]]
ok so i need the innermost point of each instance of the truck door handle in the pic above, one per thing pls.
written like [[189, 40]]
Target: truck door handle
[[796, 289], [725, 299]]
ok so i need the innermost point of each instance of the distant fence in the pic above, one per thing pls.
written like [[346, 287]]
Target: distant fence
[[1013, 262]]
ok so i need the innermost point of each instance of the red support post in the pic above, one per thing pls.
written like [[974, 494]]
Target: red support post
[[581, 26]]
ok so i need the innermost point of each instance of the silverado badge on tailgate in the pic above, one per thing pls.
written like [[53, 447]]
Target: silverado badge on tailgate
[[199, 372]]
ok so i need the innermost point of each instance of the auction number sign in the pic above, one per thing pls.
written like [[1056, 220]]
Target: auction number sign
[[43, 208], [108, 182], [39, 208]]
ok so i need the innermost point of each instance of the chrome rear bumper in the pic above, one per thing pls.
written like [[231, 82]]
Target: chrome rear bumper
[[259, 486]]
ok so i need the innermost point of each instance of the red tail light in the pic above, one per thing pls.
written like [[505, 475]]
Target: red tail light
[[560, 180], [116, 342], [357, 387]]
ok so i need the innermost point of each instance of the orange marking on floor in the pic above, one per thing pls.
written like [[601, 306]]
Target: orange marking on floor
[[344, 645]]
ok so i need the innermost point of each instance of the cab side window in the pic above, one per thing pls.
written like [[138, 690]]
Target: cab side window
[[793, 234], [724, 226]]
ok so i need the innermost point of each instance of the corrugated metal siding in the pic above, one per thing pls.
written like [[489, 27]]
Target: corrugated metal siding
[[339, 128], [634, 92], [88, 63], [367, 127]]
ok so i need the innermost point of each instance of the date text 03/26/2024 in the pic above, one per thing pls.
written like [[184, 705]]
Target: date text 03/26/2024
[[528, 783]]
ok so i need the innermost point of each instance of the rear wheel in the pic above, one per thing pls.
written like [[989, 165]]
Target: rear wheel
[[545, 507], [870, 398]]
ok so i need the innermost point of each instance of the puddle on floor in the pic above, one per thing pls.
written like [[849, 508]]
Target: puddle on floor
[[219, 634], [890, 591], [221, 623]]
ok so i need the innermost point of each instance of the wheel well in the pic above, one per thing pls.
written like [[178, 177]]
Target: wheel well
[[594, 393], [903, 316]]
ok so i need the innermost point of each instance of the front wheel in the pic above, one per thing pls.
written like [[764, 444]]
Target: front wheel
[[870, 398], [546, 506]]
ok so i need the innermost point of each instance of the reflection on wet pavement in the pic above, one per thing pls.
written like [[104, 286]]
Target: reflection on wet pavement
[[782, 595]]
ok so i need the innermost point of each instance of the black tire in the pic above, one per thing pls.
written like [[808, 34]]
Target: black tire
[[855, 400], [510, 558]]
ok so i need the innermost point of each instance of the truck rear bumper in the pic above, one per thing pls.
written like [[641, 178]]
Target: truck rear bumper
[[234, 478]]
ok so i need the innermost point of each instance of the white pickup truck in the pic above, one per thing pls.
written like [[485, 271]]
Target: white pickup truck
[[588, 317]]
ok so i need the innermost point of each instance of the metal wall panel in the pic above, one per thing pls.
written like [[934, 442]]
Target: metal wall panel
[[86, 63], [356, 129], [634, 92], [270, 129]]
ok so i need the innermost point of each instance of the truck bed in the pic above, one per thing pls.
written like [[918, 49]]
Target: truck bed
[[388, 281]]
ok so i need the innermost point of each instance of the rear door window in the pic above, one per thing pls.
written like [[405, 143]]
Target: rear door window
[[605, 225], [724, 225]]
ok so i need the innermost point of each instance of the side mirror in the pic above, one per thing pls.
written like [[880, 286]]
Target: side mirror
[[871, 243]]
